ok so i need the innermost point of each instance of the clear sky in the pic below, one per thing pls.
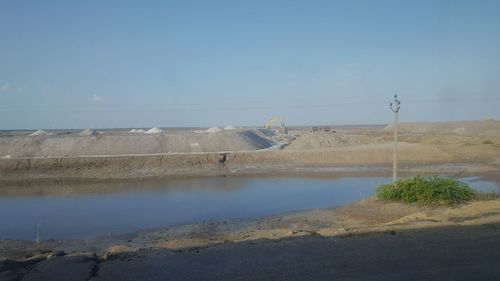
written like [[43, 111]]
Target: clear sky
[[78, 64]]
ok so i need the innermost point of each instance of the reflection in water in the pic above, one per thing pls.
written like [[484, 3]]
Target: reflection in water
[[73, 211], [62, 188]]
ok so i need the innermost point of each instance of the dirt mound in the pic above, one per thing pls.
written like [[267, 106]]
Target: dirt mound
[[155, 130], [214, 130], [318, 140], [87, 133], [39, 133], [256, 139], [486, 128], [124, 144]]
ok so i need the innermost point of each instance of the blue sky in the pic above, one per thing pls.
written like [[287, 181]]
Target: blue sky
[[78, 64]]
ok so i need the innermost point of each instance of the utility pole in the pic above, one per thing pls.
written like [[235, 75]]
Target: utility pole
[[395, 108]]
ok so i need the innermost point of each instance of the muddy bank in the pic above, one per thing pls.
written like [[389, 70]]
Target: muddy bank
[[362, 158]]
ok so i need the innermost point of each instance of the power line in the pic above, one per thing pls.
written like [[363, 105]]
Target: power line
[[228, 107]]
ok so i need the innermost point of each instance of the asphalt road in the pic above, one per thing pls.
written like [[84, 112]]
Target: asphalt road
[[454, 253]]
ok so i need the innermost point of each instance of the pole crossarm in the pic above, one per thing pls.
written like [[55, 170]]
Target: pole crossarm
[[396, 105]]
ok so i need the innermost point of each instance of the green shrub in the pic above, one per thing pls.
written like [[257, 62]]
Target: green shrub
[[420, 189], [487, 142]]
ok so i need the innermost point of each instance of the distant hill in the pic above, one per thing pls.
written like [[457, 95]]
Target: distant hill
[[486, 128]]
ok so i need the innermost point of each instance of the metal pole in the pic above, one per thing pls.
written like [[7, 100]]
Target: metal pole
[[395, 108], [395, 152]]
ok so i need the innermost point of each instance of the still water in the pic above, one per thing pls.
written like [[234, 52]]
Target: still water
[[65, 211]]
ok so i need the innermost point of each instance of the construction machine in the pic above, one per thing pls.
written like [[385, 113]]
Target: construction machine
[[281, 130], [315, 129]]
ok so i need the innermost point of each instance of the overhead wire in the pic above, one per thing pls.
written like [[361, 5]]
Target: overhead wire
[[234, 106]]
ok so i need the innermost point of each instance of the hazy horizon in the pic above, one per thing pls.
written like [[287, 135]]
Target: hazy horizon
[[128, 64], [332, 125]]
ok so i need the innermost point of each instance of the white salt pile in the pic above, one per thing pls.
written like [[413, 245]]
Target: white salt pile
[[87, 132], [39, 133], [6, 157], [229, 128], [155, 130], [136, 131], [214, 130]]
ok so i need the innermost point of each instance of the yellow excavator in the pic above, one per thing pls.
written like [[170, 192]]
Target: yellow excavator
[[282, 129]]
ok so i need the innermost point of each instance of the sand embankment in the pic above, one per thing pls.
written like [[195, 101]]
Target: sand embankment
[[123, 155], [129, 143], [415, 157]]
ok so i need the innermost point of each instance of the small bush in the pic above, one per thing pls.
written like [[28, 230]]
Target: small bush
[[487, 142], [427, 190]]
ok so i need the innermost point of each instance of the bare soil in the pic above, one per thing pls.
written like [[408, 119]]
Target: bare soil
[[122, 155]]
